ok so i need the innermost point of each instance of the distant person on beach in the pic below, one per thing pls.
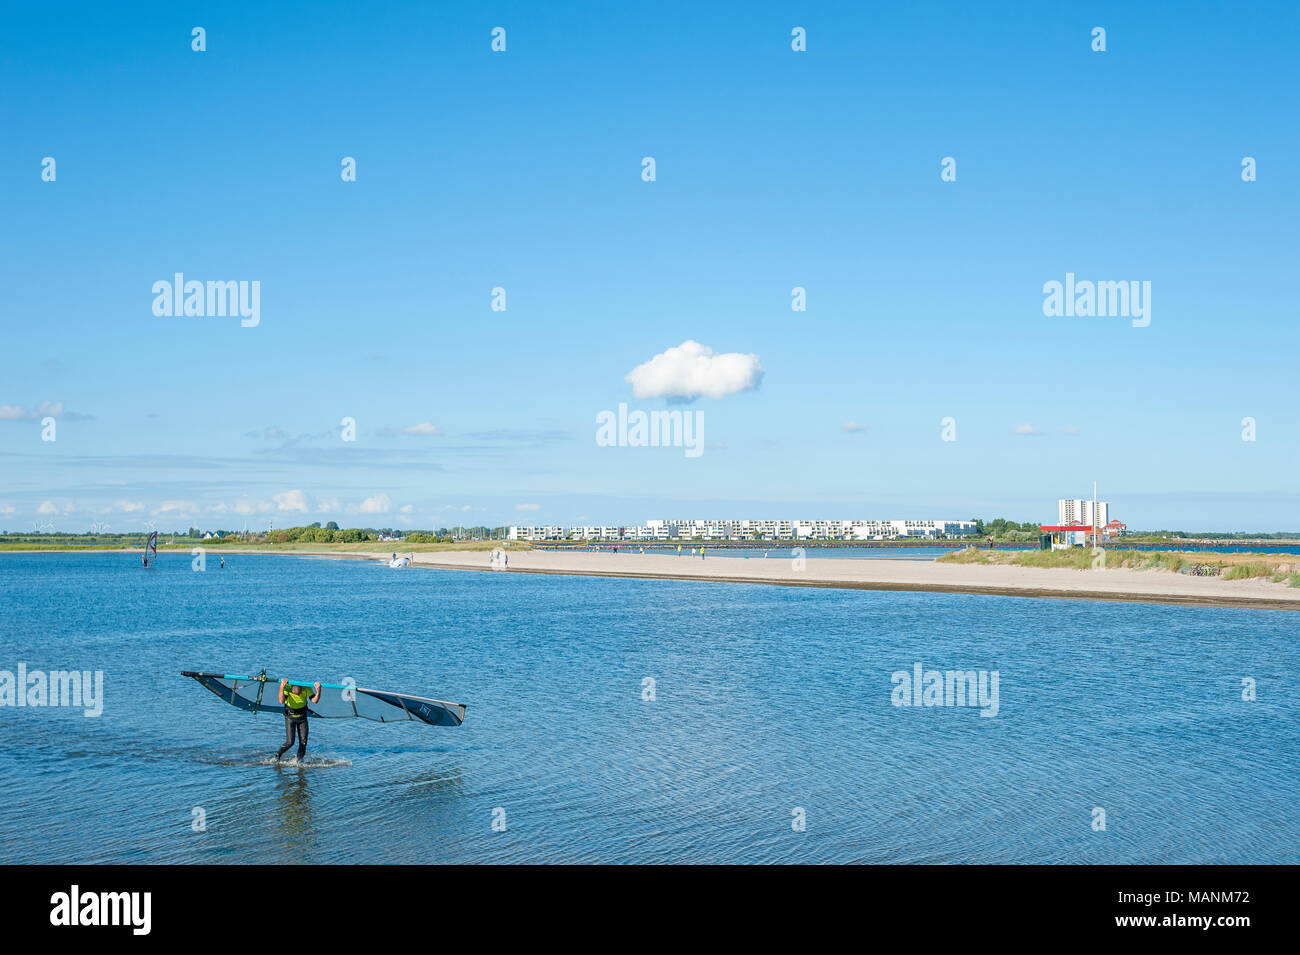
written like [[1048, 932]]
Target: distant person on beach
[[295, 700], [223, 563], [701, 553], [679, 550]]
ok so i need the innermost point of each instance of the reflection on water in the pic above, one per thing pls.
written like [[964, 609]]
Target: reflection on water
[[293, 800]]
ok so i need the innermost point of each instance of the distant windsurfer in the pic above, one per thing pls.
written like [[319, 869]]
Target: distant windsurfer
[[295, 699]]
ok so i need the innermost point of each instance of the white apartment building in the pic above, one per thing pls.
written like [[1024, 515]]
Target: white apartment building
[[1076, 511], [739, 530]]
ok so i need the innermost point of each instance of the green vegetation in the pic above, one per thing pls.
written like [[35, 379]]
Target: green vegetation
[[1143, 537], [312, 536], [1278, 568], [315, 534], [1078, 558], [967, 555], [1252, 569], [1007, 531]]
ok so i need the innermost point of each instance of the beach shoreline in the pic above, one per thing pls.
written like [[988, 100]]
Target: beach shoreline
[[1145, 586]]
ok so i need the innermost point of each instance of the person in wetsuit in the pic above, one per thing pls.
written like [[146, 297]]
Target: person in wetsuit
[[295, 700]]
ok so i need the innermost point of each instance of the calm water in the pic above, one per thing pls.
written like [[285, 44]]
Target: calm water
[[768, 699]]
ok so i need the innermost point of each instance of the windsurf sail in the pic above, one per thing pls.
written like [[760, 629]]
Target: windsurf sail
[[337, 700], [151, 549]]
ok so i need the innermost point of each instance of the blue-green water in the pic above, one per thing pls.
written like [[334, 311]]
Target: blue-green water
[[768, 700]]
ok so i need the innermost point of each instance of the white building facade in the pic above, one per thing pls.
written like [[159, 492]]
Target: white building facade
[[741, 530], [1074, 511]]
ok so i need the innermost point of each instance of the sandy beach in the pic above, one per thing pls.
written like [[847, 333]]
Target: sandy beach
[[1151, 586]]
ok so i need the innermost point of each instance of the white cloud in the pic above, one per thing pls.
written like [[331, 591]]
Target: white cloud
[[51, 409], [291, 501], [129, 507], [246, 507], [379, 504], [1024, 428], [46, 409], [407, 509], [852, 427], [690, 370], [528, 507], [47, 507], [424, 428], [270, 433], [177, 507], [6, 510], [329, 505]]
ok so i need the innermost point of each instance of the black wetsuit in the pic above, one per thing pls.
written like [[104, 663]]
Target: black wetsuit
[[294, 725]]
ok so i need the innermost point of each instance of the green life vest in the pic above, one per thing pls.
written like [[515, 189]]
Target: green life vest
[[295, 701]]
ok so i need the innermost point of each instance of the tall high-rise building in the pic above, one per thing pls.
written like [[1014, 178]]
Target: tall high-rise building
[[1079, 511]]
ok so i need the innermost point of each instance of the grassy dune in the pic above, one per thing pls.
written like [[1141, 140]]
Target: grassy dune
[[1282, 568]]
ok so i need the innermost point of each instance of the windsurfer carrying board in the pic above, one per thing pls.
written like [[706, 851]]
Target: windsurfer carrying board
[[295, 699]]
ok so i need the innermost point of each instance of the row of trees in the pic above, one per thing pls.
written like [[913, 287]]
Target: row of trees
[[331, 533], [315, 534], [1001, 527]]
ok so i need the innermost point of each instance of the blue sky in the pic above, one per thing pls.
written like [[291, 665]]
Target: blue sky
[[522, 170]]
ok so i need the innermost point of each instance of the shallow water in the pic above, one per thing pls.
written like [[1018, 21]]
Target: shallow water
[[768, 700]]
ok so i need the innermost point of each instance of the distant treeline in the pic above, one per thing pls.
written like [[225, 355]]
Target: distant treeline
[[310, 533], [1004, 529], [331, 533]]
